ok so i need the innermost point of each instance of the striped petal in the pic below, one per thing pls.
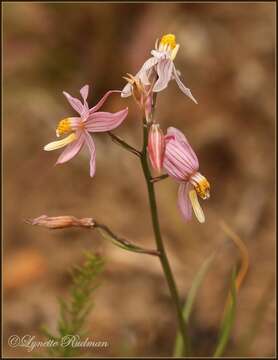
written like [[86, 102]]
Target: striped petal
[[178, 160], [71, 150], [184, 203], [178, 136], [105, 121], [74, 102], [164, 72], [102, 101], [182, 87], [92, 150]]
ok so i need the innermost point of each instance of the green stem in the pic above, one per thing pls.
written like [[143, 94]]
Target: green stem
[[124, 144], [159, 243]]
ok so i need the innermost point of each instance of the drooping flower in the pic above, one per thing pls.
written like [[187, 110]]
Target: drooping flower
[[181, 163], [156, 147], [79, 128], [158, 70]]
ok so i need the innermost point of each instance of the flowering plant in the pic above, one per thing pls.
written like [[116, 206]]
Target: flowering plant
[[170, 155]]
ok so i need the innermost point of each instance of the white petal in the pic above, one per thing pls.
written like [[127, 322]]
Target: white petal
[[60, 143], [198, 211]]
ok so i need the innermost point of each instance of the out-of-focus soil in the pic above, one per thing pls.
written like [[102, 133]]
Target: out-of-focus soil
[[227, 59]]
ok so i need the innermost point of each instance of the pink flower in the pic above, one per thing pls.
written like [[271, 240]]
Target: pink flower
[[181, 163], [156, 147], [78, 128], [158, 70]]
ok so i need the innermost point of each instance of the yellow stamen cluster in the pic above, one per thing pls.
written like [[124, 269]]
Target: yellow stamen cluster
[[202, 187], [169, 40], [64, 127]]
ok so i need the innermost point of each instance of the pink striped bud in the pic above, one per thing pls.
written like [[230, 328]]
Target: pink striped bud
[[156, 147]]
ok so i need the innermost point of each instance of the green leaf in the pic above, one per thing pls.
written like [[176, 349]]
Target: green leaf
[[228, 320], [74, 310], [178, 349]]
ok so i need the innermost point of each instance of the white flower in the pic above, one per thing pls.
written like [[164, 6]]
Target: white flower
[[158, 70]]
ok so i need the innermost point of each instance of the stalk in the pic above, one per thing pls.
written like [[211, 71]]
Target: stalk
[[159, 242]]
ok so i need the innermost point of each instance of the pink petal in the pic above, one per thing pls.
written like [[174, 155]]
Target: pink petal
[[84, 91], [71, 150], [183, 88], [92, 150], [180, 137], [179, 160], [105, 121], [75, 103], [184, 203], [164, 72], [102, 101], [173, 170]]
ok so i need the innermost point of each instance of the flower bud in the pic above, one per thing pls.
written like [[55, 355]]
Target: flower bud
[[61, 222], [156, 147]]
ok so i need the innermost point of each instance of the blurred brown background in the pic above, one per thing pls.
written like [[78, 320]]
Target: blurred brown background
[[227, 58]]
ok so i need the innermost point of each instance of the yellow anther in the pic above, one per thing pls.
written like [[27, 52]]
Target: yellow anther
[[64, 127], [202, 187], [168, 39]]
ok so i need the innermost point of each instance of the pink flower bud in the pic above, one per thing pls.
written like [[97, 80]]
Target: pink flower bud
[[61, 222], [156, 147]]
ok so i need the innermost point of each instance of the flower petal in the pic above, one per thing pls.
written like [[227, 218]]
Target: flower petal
[[74, 102], [143, 73], [196, 206], [54, 145], [172, 132], [102, 101], [105, 121], [183, 88], [184, 203], [84, 91], [172, 170], [127, 91], [71, 150], [164, 72], [178, 160], [92, 150]]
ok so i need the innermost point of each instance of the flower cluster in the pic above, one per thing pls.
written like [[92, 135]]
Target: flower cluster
[[171, 152]]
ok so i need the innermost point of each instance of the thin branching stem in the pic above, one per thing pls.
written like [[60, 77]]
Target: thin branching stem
[[122, 143], [126, 244]]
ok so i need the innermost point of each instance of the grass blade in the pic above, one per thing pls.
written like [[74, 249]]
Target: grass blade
[[228, 320], [178, 349]]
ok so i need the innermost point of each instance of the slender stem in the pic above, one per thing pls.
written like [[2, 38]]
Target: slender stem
[[123, 243], [159, 243], [121, 142]]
